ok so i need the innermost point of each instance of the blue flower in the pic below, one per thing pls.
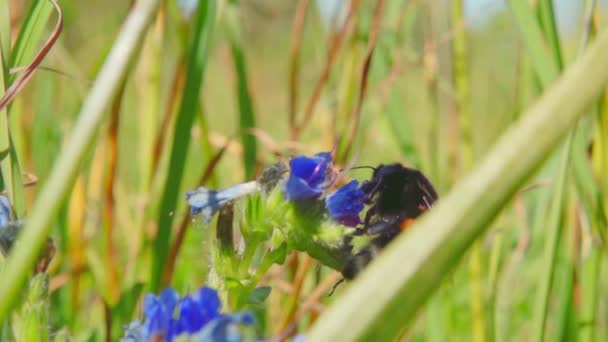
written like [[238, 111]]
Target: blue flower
[[307, 177], [198, 310], [9, 227], [159, 314], [345, 204], [195, 315], [6, 215], [223, 329]]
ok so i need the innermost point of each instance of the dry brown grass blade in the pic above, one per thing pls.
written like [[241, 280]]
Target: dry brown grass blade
[[22, 80], [337, 42], [177, 86], [371, 45], [113, 284], [294, 60], [309, 304], [304, 266]]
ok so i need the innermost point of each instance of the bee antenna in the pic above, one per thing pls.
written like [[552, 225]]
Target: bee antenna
[[363, 167], [333, 289]]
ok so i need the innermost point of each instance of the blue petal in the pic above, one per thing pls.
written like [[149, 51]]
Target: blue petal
[[345, 204], [208, 201], [169, 298], [223, 329], [159, 312], [299, 338], [307, 176], [5, 211], [298, 189], [133, 332], [190, 319], [208, 299]]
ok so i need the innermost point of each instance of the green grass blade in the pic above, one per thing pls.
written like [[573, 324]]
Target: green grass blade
[[477, 299], [195, 68], [547, 18], [590, 281], [31, 32], [552, 240], [434, 244], [546, 68], [9, 164], [246, 111], [22, 258], [5, 31]]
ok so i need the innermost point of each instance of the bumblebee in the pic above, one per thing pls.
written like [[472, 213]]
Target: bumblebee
[[397, 195]]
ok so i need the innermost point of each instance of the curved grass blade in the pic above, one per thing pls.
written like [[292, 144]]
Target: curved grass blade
[[19, 82], [22, 259], [436, 242], [31, 33]]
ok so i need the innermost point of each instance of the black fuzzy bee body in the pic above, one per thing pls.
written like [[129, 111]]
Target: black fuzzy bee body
[[397, 195]]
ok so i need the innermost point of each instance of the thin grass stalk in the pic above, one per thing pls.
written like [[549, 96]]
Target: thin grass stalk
[[546, 68], [400, 124], [565, 273], [555, 221], [189, 107], [437, 240], [31, 32], [6, 160], [294, 61], [22, 259], [461, 83], [549, 26], [355, 117], [332, 55], [20, 81], [430, 73], [148, 87], [5, 36], [245, 103], [109, 214], [591, 258], [495, 264], [552, 240], [590, 289]]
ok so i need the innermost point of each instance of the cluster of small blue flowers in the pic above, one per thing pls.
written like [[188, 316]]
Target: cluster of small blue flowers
[[309, 178], [196, 316]]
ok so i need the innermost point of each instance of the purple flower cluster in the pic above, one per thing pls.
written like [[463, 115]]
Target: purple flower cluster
[[308, 179], [168, 316], [345, 204]]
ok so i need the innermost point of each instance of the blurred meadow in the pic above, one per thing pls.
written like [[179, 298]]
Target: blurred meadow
[[213, 95]]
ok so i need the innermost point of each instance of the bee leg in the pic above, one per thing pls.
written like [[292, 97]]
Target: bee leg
[[368, 216], [333, 289]]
